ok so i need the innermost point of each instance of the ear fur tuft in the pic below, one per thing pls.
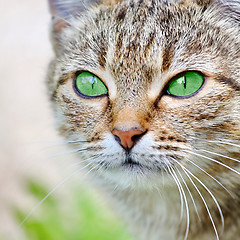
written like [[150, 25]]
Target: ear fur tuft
[[67, 8], [231, 9], [63, 10]]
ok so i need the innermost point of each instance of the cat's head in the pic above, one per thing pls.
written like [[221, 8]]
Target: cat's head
[[148, 87]]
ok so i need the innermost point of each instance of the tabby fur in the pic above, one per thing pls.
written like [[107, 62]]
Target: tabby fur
[[186, 184]]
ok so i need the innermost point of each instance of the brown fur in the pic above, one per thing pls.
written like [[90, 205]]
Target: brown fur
[[136, 47]]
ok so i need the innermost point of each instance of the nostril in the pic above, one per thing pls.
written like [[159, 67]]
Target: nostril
[[117, 139], [135, 138], [127, 139]]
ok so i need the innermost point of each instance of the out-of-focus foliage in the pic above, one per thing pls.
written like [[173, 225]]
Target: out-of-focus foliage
[[86, 219]]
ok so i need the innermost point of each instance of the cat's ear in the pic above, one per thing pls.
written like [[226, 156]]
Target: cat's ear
[[62, 10], [228, 8], [231, 9]]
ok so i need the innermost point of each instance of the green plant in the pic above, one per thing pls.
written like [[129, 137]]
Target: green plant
[[86, 219]]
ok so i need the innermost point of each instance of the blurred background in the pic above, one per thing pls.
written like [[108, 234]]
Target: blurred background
[[33, 159]]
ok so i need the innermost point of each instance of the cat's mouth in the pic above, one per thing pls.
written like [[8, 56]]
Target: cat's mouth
[[131, 164], [129, 161]]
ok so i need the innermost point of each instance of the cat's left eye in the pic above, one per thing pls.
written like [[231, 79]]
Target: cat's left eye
[[186, 84], [89, 85]]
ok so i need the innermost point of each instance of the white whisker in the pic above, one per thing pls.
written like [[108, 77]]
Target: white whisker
[[186, 203], [52, 144], [227, 140], [218, 154], [90, 170], [179, 189], [95, 157], [211, 177], [207, 189], [52, 191], [200, 194], [190, 194], [214, 160], [227, 143], [223, 142], [76, 150]]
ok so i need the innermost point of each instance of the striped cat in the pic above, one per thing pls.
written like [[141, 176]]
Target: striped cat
[[148, 93]]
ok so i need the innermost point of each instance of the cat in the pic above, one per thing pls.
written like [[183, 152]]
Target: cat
[[148, 92]]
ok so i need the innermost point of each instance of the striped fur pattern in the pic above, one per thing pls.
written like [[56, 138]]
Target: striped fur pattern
[[185, 183]]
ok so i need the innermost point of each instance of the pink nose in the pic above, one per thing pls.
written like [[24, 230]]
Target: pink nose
[[128, 138]]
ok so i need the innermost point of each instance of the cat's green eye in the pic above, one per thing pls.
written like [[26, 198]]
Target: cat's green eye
[[186, 84], [90, 85]]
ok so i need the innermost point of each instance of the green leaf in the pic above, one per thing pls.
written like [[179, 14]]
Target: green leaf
[[84, 218]]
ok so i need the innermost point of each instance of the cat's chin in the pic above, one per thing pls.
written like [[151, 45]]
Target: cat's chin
[[134, 175]]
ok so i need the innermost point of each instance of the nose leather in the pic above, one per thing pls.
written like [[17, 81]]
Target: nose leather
[[127, 137]]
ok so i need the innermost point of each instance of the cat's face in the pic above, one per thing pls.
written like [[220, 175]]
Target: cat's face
[[164, 89]]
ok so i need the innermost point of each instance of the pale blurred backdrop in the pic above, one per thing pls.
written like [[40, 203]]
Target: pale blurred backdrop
[[30, 148], [26, 123]]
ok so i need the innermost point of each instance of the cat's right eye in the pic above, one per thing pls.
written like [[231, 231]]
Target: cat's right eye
[[89, 85], [186, 84]]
